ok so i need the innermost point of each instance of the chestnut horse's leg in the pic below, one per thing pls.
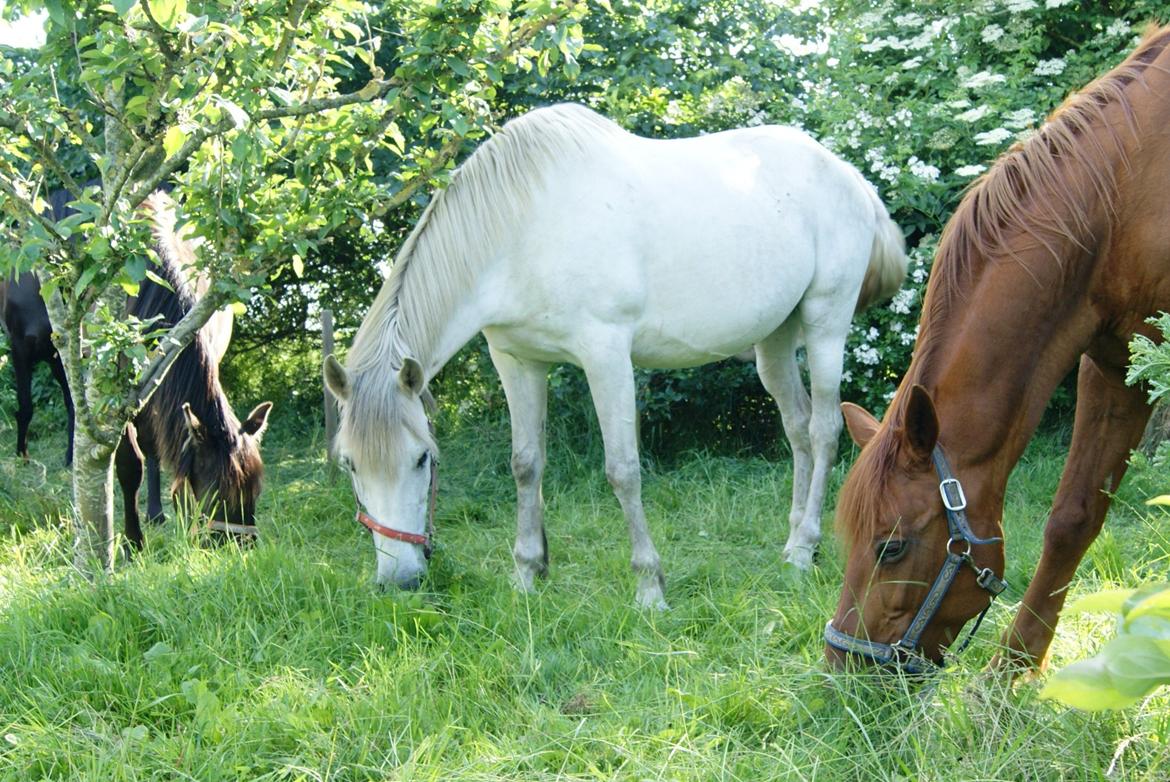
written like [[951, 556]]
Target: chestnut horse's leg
[[526, 388], [1110, 419], [128, 463]]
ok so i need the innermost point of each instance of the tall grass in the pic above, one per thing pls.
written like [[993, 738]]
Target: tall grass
[[281, 661]]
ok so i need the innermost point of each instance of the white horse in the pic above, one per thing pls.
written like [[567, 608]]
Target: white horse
[[565, 238]]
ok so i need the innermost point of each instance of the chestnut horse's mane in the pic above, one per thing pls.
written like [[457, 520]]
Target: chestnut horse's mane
[[1038, 195]]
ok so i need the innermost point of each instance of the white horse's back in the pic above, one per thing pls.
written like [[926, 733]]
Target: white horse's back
[[708, 246]]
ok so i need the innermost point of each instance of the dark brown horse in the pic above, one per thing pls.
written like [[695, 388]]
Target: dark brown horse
[[188, 424], [26, 321], [1058, 255]]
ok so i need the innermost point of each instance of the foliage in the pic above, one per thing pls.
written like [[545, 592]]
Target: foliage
[[1150, 361], [1129, 666], [242, 104]]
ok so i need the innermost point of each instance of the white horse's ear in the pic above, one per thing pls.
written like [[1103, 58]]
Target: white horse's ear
[[335, 378], [257, 420], [861, 425], [411, 377], [194, 425]]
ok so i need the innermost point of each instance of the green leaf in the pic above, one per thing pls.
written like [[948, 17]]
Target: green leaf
[[238, 115], [1161, 499], [1156, 604], [1105, 602], [167, 12], [298, 265], [123, 6], [173, 140]]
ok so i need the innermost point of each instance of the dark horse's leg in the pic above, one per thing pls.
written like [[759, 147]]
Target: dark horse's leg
[[59, 373], [23, 367], [128, 462], [1109, 422], [154, 509]]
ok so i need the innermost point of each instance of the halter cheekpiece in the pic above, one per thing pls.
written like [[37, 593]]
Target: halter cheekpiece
[[903, 653]]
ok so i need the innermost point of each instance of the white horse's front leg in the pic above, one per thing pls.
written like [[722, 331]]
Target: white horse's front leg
[[526, 388], [611, 383]]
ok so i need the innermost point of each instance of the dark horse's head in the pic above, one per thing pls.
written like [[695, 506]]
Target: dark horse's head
[[219, 468]]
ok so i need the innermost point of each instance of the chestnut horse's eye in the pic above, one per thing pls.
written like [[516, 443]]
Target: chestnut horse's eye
[[889, 551]]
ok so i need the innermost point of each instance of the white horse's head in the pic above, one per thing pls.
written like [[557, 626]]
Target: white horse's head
[[384, 441]]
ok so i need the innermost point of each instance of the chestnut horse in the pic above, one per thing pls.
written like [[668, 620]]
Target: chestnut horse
[[1058, 255]]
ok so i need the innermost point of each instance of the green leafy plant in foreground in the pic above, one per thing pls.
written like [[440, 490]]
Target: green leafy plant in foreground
[[1129, 666]]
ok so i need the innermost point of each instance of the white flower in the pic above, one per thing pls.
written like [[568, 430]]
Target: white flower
[[902, 301], [889, 174], [1119, 27], [992, 136], [912, 63], [908, 20], [1056, 3], [1018, 119], [1049, 67], [970, 170], [1015, 6], [866, 354], [974, 114], [992, 33], [982, 79], [922, 169]]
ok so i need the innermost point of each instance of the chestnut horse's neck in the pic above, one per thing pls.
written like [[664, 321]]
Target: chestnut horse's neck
[[1029, 273]]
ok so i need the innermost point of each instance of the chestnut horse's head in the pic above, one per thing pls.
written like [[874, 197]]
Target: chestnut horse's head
[[916, 571]]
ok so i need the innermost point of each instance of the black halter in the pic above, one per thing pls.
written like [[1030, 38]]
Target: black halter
[[903, 653]]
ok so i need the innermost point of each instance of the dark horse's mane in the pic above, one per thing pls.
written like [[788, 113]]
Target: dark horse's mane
[[193, 377], [1044, 189]]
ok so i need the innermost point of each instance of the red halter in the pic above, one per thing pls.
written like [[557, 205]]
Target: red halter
[[418, 539]]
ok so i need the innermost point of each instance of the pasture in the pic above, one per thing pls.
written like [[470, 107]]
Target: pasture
[[282, 661]]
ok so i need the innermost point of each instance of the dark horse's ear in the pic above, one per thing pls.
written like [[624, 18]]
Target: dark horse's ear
[[411, 376], [194, 425], [920, 429], [335, 378], [257, 420], [861, 425]]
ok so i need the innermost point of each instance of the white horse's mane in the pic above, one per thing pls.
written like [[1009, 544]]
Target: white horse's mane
[[458, 234]]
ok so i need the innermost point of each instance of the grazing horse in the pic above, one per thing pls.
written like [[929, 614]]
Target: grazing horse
[[1058, 255], [188, 424], [565, 238], [26, 321]]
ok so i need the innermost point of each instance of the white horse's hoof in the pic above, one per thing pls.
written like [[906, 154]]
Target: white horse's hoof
[[800, 557]]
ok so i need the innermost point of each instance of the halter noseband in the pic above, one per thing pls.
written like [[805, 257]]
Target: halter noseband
[[903, 653], [424, 539]]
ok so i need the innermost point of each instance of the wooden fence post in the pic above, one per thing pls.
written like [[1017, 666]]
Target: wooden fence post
[[330, 402]]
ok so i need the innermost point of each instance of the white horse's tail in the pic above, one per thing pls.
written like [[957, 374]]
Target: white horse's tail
[[887, 259]]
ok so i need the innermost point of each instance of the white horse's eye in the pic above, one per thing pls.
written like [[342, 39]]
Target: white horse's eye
[[422, 461]]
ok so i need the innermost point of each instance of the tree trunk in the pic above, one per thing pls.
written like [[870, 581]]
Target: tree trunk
[[1158, 429], [93, 505]]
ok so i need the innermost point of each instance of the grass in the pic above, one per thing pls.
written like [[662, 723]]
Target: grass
[[282, 662]]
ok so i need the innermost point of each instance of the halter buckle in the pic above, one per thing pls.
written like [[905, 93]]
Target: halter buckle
[[987, 579], [953, 497]]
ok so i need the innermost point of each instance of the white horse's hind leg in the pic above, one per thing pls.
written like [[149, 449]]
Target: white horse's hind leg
[[611, 383], [825, 346], [526, 388], [780, 374]]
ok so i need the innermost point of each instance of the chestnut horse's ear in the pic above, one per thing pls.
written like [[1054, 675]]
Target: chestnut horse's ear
[[335, 378], [411, 376], [194, 425], [861, 425], [920, 430], [257, 420]]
